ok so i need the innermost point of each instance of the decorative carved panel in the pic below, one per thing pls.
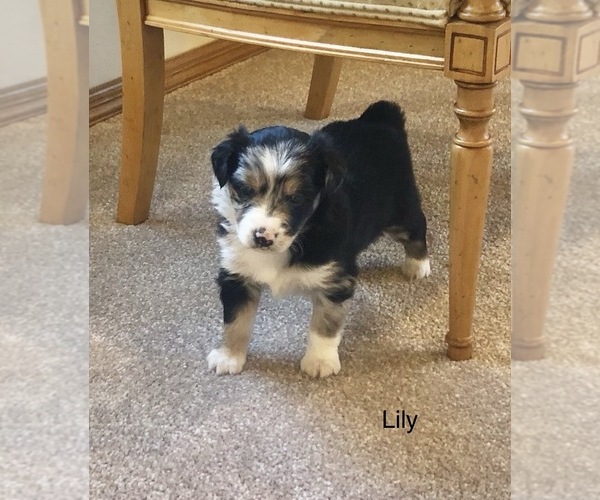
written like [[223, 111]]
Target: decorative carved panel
[[556, 53], [478, 53]]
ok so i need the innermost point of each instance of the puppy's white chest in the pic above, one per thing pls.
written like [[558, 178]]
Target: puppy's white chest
[[282, 281], [266, 269], [272, 269]]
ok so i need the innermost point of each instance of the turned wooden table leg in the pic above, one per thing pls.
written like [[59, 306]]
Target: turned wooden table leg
[[142, 53], [65, 186], [325, 76], [471, 165]]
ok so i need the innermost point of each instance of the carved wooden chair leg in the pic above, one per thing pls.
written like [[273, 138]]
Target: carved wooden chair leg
[[325, 76], [142, 52], [477, 56], [543, 163], [65, 186], [543, 155], [471, 164]]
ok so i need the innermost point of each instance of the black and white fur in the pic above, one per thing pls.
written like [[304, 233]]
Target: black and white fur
[[297, 209]]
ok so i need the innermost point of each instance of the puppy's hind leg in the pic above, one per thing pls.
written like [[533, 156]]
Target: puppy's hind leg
[[240, 302], [413, 236]]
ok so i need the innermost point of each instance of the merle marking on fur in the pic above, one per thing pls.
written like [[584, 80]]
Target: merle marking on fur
[[295, 212]]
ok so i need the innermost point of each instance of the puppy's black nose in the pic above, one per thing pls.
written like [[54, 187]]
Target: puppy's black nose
[[262, 242]]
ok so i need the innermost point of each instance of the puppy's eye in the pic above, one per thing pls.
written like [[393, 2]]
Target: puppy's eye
[[245, 192], [296, 199]]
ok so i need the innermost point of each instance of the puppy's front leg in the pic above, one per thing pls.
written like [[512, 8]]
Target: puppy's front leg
[[240, 302], [321, 358]]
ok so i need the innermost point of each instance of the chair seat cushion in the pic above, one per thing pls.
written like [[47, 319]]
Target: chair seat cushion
[[428, 12]]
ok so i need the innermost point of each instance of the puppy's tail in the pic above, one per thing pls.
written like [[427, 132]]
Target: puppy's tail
[[384, 113]]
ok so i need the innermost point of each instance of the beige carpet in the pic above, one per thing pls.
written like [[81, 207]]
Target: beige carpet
[[555, 401], [162, 426], [43, 332]]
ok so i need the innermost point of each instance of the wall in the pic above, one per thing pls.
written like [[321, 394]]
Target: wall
[[22, 52], [105, 58], [22, 56]]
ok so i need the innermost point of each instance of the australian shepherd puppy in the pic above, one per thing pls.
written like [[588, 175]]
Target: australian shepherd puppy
[[295, 212]]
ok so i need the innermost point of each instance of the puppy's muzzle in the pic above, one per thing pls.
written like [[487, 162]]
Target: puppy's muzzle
[[264, 238]]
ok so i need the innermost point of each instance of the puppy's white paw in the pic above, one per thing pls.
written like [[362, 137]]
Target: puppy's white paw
[[225, 362], [415, 269], [321, 363]]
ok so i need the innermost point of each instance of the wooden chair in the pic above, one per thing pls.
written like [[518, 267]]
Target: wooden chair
[[65, 186], [557, 44], [471, 47]]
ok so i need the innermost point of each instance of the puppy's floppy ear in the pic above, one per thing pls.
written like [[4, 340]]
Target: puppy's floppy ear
[[328, 158], [225, 156]]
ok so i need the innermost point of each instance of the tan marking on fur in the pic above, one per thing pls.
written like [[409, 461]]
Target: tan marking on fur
[[255, 179], [290, 185], [238, 332], [280, 214], [327, 317]]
